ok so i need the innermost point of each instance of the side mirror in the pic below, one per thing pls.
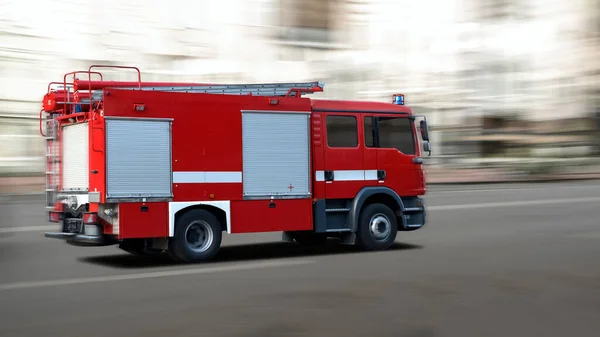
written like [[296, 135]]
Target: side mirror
[[424, 131], [427, 147]]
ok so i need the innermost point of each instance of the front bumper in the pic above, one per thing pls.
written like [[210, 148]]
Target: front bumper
[[415, 213]]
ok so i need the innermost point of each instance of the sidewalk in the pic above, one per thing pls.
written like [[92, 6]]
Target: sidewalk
[[460, 176], [434, 176]]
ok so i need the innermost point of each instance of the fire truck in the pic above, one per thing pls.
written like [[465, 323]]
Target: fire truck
[[170, 167]]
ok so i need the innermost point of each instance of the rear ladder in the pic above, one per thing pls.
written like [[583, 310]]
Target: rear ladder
[[52, 160]]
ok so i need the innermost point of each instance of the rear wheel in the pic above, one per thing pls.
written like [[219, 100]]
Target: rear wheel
[[377, 227], [197, 236]]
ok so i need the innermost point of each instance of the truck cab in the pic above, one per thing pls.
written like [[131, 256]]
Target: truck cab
[[367, 153]]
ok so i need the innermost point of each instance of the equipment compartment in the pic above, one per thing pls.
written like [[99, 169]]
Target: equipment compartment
[[138, 158], [276, 154]]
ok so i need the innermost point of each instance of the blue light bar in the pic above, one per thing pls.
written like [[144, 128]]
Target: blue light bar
[[398, 99]]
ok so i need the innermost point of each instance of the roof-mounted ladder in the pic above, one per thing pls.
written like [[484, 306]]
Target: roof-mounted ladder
[[262, 89]]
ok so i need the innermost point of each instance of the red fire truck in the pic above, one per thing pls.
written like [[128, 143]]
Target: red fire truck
[[155, 167]]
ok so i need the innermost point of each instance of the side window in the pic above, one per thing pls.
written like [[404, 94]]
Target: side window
[[342, 131], [396, 133], [370, 131]]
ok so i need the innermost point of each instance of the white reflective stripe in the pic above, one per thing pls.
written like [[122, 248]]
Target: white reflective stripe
[[371, 175], [206, 177], [236, 177], [348, 175]]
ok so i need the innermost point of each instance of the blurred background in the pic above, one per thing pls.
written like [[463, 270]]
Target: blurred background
[[510, 87], [510, 90]]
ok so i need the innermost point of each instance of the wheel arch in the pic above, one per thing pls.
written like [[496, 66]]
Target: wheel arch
[[377, 194], [221, 209]]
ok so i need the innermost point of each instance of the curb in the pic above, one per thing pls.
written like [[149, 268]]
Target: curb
[[513, 181]]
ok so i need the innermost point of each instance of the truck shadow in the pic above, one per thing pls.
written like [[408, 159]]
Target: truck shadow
[[239, 253]]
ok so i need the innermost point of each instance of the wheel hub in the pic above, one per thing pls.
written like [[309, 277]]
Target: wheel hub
[[198, 236], [380, 227]]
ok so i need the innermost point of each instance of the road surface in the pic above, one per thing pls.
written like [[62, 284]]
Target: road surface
[[513, 260]]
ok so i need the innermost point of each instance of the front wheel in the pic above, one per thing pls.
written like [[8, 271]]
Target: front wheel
[[197, 236], [377, 227]]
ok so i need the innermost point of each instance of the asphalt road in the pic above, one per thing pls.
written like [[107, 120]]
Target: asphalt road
[[513, 260]]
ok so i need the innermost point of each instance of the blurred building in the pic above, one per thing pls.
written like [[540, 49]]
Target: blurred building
[[489, 75], [536, 74]]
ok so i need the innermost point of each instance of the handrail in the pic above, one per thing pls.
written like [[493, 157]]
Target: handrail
[[74, 73], [51, 83], [41, 132], [116, 67], [109, 67]]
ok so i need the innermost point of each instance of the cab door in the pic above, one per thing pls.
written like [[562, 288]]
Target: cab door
[[399, 166], [343, 155]]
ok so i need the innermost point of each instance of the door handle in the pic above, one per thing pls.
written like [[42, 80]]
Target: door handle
[[417, 160], [328, 175], [380, 175]]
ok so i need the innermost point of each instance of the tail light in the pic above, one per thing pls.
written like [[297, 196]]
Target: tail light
[[90, 218], [54, 216]]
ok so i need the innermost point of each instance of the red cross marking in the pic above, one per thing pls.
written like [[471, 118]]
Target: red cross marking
[[291, 187]]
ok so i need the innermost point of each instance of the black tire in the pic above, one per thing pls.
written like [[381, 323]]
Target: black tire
[[308, 238], [197, 236], [382, 220]]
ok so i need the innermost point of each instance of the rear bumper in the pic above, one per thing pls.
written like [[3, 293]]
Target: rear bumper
[[91, 240], [82, 239], [74, 232]]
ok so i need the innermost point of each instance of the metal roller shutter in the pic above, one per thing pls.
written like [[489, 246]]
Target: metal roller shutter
[[75, 157], [138, 158], [275, 154]]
